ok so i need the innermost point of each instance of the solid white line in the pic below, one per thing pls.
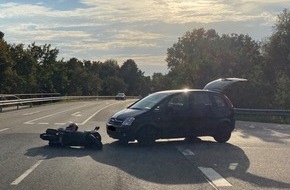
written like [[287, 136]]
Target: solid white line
[[214, 178], [25, 174], [4, 129], [96, 113], [32, 121]]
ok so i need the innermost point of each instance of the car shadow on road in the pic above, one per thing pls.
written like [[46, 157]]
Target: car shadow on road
[[161, 164], [164, 162]]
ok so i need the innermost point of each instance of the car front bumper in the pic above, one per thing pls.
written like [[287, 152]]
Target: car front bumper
[[119, 132]]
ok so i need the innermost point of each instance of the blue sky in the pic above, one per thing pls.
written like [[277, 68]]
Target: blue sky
[[129, 29]]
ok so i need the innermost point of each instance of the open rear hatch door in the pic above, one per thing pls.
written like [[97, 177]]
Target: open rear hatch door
[[223, 83]]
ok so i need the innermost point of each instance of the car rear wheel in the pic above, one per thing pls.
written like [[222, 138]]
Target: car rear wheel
[[223, 133], [147, 136]]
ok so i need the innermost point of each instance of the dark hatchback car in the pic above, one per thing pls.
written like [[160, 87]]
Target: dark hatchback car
[[185, 113]]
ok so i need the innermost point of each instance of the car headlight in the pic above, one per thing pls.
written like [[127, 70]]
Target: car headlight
[[128, 121]]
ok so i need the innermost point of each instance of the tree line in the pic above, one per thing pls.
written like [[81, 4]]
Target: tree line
[[197, 58]]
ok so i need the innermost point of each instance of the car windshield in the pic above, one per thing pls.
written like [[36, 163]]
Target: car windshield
[[120, 94], [149, 101]]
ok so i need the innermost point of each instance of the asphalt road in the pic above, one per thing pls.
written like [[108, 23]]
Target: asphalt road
[[256, 157]]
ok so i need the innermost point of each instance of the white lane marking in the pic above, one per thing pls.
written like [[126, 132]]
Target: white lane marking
[[96, 113], [185, 152], [32, 121], [59, 123], [31, 113], [25, 174], [233, 166], [214, 178], [1, 130], [77, 114]]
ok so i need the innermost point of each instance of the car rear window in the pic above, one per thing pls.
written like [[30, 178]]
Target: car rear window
[[219, 101]]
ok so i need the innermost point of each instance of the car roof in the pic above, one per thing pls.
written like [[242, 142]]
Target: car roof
[[184, 91]]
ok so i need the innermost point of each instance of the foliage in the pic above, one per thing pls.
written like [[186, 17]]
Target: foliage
[[36, 69], [197, 58], [203, 55]]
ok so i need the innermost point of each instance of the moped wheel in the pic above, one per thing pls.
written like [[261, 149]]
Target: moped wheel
[[97, 136], [94, 142]]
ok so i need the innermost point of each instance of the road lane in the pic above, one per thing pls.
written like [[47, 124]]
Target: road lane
[[256, 156]]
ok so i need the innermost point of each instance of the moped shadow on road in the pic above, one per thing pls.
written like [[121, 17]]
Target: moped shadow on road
[[47, 152]]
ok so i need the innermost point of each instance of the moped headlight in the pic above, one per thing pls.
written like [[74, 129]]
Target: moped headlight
[[128, 121]]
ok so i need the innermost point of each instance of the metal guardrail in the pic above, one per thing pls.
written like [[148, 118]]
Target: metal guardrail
[[30, 101], [270, 112]]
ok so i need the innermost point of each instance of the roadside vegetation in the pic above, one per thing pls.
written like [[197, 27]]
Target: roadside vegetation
[[195, 59]]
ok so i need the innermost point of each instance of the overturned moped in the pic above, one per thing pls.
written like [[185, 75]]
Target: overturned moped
[[70, 136]]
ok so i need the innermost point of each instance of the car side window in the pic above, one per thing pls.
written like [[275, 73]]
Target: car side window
[[199, 99], [199, 104], [219, 101], [177, 103]]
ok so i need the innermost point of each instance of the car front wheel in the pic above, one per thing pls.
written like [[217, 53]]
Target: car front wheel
[[147, 136]]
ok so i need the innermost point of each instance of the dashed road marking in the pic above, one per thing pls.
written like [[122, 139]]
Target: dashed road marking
[[31, 113], [185, 152], [26, 173], [214, 178], [1, 130], [77, 114], [59, 123], [233, 166]]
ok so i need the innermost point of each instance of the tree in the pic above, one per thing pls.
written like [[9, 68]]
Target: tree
[[202, 55], [109, 68], [113, 85], [159, 82], [1, 35], [26, 69], [277, 55], [8, 76], [132, 76]]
